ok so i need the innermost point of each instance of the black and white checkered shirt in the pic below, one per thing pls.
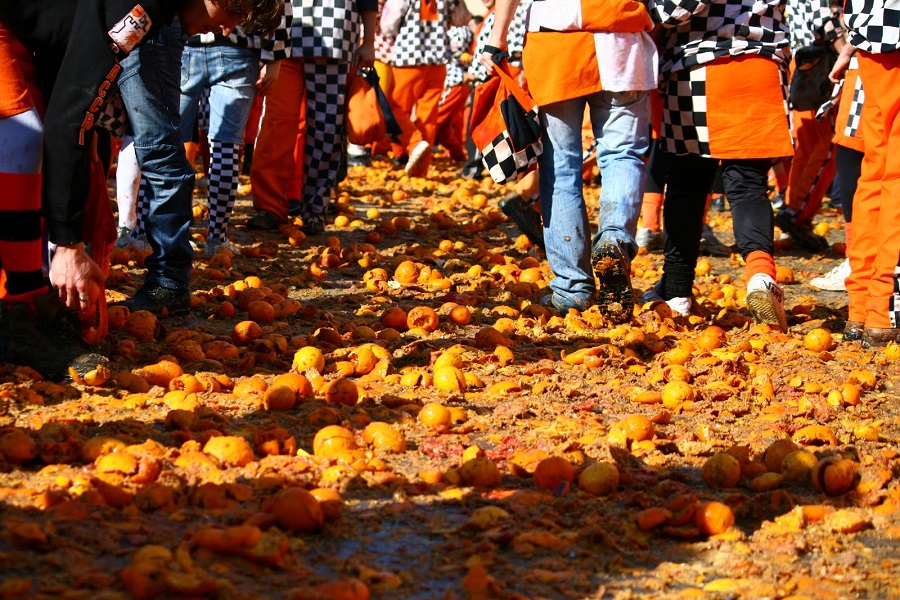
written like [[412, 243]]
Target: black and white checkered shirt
[[701, 31], [273, 48], [420, 42], [813, 22], [515, 39], [874, 25], [460, 41], [328, 28]]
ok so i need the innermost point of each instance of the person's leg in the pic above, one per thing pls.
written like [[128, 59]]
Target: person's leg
[[326, 82], [150, 86], [234, 72], [621, 122], [128, 180], [407, 84], [431, 85], [566, 226], [875, 247], [274, 153], [746, 186], [451, 132], [688, 181]]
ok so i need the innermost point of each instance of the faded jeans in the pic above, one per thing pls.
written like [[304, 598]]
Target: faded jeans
[[151, 91], [621, 121]]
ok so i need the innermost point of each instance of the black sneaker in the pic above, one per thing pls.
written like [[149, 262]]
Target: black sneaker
[[787, 222], [294, 207], [528, 220], [719, 204], [160, 300], [614, 294], [49, 340], [313, 224], [263, 221]]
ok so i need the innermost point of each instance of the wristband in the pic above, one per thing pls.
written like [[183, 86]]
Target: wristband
[[497, 55]]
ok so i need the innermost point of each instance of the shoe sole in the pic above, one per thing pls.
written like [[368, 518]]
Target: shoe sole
[[827, 287], [764, 311], [615, 297]]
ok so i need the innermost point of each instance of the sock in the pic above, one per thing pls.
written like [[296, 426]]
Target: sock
[[651, 207], [759, 261]]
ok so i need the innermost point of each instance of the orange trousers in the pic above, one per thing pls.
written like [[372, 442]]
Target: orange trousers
[[451, 129], [420, 88], [875, 246], [812, 168], [274, 158]]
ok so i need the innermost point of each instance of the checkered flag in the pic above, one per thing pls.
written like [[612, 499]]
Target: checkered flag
[[504, 162], [113, 116]]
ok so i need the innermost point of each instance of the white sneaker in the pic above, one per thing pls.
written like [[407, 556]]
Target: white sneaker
[[653, 241], [833, 281], [680, 307], [213, 246], [416, 156], [765, 299]]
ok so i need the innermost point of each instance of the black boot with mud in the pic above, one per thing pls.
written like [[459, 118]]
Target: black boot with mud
[[614, 294]]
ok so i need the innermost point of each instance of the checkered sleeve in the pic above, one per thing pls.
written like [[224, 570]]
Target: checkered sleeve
[[874, 25], [700, 31], [813, 22], [278, 46]]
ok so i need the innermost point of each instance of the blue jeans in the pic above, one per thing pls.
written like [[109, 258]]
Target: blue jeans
[[150, 90], [621, 121], [230, 74]]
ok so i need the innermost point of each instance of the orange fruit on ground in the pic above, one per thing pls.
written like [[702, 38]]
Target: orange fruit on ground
[[676, 393], [435, 415], [394, 317], [784, 274], [229, 450], [330, 501], [818, 340], [297, 382], [249, 386], [18, 448], [551, 472], [280, 397], [449, 379], [638, 428], [245, 333], [524, 462], [460, 315], [713, 518], [406, 272], [261, 312], [774, 454], [296, 509], [480, 472], [384, 437], [341, 391], [423, 317], [309, 357], [599, 479], [333, 439], [721, 470], [248, 295], [141, 324]]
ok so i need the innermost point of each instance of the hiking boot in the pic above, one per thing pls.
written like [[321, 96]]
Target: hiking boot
[[313, 225], [527, 220], [213, 246], [417, 159], [614, 294], [802, 235], [652, 241], [710, 245], [854, 330], [833, 281], [49, 340], [563, 305], [876, 337], [160, 300], [765, 299], [263, 221]]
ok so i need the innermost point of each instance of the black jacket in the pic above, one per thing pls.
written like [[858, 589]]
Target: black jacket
[[75, 55]]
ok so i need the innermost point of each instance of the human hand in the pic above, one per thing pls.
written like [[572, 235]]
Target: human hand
[[365, 56], [76, 277], [268, 75], [841, 64]]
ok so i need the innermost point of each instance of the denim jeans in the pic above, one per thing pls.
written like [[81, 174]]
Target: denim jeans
[[150, 90], [230, 74], [621, 121]]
